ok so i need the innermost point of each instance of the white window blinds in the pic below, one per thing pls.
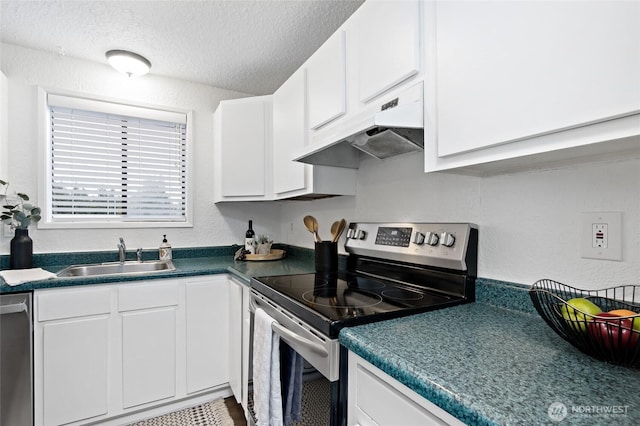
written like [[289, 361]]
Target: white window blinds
[[106, 165]]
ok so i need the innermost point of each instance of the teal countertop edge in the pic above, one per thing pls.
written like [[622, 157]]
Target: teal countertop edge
[[188, 262], [496, 362]]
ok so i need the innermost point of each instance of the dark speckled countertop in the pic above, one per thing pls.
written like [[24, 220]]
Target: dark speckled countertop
[[188, 262], [487, 364]]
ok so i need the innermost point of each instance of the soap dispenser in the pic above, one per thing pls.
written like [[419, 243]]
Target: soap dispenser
[[165, 249]]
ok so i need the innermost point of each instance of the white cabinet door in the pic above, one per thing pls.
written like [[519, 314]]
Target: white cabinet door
[[72, 329], [326, 81], [388, 53], [508, 71], [242, 140], [207, 325], [377, 399], [239, 335], [148, 356], [75, 369], [289, 133], [235, 338], [148, 315]]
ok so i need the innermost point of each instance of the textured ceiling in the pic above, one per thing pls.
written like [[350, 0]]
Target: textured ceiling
[[247, 46]]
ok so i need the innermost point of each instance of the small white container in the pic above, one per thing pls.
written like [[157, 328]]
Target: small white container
[[165, 249]]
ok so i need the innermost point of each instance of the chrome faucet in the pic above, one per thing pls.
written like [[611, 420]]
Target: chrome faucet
[[122, 250]]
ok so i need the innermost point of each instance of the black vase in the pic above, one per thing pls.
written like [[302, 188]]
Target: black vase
[[21, 250]]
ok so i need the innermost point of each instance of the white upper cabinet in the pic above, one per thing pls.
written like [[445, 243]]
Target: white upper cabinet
[[289, 133], [242, 143], [511, 79], [292, 179], [388, 49], [326, 81]]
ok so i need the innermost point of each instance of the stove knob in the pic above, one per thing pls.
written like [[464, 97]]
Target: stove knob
[[419, 238], [447, 239], [432, 238], [360, 234], [350, 233]]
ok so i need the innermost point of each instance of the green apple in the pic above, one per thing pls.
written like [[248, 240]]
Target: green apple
[[575, 309]]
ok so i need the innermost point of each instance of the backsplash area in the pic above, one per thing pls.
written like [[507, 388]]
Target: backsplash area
[[529, 222]]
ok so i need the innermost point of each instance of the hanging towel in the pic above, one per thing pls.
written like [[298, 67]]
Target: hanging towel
[[291, 372], [267, 397], [18, 276]]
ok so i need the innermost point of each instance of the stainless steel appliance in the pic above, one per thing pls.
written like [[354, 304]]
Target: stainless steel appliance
[[390, 127], [16, 384], [393, 270]]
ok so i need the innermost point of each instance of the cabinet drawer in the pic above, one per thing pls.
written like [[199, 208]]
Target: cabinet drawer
[[60, 304], [149, 295], [376, 398]]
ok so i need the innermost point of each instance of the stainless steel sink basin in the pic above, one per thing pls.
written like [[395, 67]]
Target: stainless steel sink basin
[[126, 268]]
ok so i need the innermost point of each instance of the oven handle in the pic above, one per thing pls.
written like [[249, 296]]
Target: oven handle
[[287, 334]]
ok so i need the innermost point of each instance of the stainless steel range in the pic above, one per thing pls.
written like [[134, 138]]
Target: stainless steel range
[[393, 270]]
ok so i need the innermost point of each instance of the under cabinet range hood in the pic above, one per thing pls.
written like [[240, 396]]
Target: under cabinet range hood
[[383, 130]]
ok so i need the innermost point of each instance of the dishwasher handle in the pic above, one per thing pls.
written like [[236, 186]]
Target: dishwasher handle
[[14, 308]]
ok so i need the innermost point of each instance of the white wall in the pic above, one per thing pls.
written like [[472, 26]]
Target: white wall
[[213, 225], [4, 134], [529, 222]]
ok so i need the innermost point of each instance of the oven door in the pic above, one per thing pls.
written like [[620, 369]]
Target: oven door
[[317, 349]]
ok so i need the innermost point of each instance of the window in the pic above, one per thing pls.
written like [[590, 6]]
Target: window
[[115, 163]]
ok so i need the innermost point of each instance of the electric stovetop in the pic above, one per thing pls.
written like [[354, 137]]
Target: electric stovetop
[[332, 301]]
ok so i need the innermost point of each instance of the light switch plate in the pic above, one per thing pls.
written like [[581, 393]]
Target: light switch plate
[[601, 235]]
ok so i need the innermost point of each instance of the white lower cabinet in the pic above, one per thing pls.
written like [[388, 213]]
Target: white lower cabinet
[[75, 369], [148, 316], [118, 353], [239, 341], [207, 328], [71, 362], [377, 399]]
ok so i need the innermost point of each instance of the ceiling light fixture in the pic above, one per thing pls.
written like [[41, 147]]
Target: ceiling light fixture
[[128, 63]]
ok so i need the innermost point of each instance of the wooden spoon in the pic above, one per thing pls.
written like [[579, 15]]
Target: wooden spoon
[[334, 230], [341, 225], [312, 225], [315, 229]]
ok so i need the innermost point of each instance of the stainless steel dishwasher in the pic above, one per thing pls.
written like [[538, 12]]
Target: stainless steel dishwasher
[[16, 360]]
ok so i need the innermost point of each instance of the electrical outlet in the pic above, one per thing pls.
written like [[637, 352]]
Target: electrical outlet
[[601, 235]]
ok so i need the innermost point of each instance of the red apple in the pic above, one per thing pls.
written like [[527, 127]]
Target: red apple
[[613, 333]]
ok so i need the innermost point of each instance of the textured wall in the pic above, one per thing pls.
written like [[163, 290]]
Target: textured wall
[[213, 225], [529, 222]]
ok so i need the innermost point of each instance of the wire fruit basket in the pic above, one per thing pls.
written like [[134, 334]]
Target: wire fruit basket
[[608, 336]]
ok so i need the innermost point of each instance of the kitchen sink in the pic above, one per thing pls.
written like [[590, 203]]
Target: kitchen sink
[[126, 268]]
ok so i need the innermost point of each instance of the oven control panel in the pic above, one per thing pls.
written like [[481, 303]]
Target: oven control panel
[[435, 244]]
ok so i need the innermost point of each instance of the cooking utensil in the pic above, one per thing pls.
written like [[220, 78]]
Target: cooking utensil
[[334, 230], [340, 228], [312, 226]]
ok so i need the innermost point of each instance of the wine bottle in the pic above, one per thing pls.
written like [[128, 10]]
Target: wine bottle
[[249, 238]]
